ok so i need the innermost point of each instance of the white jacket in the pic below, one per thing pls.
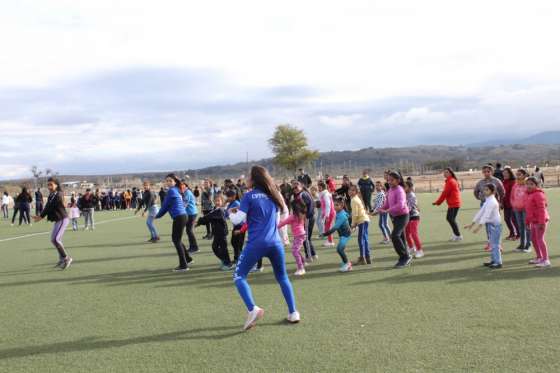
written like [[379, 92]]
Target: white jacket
[[489, 212]]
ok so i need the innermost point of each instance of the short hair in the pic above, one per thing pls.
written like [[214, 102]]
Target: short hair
[[488, 167], [491, 187]]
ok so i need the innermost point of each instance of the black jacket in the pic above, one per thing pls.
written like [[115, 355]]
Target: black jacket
[[217, 219], [54, 209], [86, 202]]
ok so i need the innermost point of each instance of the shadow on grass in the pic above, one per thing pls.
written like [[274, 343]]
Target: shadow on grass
[[99, 343]]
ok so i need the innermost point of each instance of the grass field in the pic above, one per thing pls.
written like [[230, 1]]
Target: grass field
[[119, 308]]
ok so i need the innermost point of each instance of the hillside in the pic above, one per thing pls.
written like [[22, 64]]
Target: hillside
[[543, 138]]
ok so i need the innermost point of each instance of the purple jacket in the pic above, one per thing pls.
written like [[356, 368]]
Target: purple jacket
[[395, 202]]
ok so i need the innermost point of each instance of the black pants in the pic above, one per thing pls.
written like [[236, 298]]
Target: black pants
[[511, 222], [24, 215], [16, 210], [219, 246], [179, 224], [307, 244], [237, 241], [193, 245], [38, 208], [452, 220], [397, 235], [366, 195], [208, 226]]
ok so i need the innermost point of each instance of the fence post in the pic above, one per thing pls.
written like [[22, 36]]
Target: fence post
[[430, 185]]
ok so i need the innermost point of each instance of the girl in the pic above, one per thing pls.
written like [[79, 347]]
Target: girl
[[342, 226], [301, 194], [258, 208], [509, 182], [189, 200], [74, 214], [237, 237], [489, 216], [55, 211], [328, 214], [5, 204], [297, 222], [396, 206], [360, 219], [319, 213], [173, 203], [411, 231], [518, 196], [537, 221], [217, 219], [150, 207], [451, 194], [380, 197], [24, 200]]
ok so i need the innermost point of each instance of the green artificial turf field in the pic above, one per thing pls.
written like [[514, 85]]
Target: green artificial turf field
[[120, 308]]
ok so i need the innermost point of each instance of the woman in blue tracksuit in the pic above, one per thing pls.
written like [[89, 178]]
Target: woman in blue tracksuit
[[189, 201], [259, 209], [173, 203]]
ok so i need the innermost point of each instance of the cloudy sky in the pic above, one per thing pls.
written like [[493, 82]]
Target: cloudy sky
[[110, 86]]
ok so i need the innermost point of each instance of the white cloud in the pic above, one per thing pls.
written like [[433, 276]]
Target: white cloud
[[339, 120]]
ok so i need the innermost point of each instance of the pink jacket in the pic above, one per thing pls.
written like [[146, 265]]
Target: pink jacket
[[518, 196], [395, 202], [297, 224], [536, 207]]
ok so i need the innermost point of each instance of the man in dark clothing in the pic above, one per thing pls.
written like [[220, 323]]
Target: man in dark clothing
[[304, 178], [162, 194], [286, 191], [301, 194], [366, 186], [38, 202], [207, 205], [499, 172]]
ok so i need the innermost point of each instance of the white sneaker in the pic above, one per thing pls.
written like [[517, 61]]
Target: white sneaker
[[411, 250], [300, 272], [294, 317], [315, 257], [347, 267], [419, 254], [384, 242], [252, 317], [328, 244], [535, 261], [543, 264]]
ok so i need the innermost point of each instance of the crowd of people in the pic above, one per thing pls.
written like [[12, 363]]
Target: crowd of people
[[262, 211]]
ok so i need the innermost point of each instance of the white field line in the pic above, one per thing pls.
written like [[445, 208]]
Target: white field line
[[69, 228]]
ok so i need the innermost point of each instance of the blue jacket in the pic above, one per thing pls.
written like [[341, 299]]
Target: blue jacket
[[173, 203], [190, 202], [341, 225]]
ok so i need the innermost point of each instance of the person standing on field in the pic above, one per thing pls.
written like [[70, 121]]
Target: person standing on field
[[366, 186], [451, 194], [304, 178]]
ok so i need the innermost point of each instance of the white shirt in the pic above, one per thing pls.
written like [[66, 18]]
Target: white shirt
[[489, 212], [5, 200]]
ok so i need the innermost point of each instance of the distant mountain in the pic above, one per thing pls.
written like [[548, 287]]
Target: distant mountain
[[542, 138]]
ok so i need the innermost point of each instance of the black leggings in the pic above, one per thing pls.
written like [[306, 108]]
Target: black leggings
[[24, 215], [397, 235], [452, 220], [179, 224], [193, 245], [511, 222], [307, 244], [208, 226], [237, 241], [219, 246]]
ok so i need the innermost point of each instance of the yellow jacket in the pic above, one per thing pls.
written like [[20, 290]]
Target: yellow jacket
[[359, 213]]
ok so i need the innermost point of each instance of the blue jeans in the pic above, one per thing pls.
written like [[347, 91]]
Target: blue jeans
[[249, 257], [384, 225], [494, 238], [524, 232], [152, 212], [363, 239]]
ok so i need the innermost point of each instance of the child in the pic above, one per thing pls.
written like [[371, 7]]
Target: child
[[243, 230], [217, 219], [297, 222], [360, 219], [537, 220], [517, 199], [314, 192], [55, 211], [237, 237], [411, 231], [489, 215], [327, 211], [74, 214], [342, 226], [380, 197]]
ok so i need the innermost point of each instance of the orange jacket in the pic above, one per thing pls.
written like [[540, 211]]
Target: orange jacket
[[451, 194]]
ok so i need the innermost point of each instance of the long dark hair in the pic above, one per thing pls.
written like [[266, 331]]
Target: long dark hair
[[451, 172], [398, 176], [261, 179], [175, 178], [510, 172], [55, 182]]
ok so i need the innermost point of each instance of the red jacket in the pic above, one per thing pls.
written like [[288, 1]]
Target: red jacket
[[451, 194], [536, 207], [508, 186], [331, 185]]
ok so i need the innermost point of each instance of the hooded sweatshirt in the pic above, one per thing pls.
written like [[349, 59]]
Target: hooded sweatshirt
[[536, 207]]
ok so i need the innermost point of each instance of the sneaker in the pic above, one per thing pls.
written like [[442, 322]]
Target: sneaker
[[294, 317], [527, 250], [535, 261], [252, 317], [519, 249], [60, 263], [403, 263], [487, 248], [256, 269], [360, 261], [227, 268], [190, 260], [543, 264], [193, 250], [411, 250], [328, 244], [315, 257], [384, 242], [495, 266], [458, 238], [346, 267], [419, 254], [368, 260], [309, 260], [299, 272], [67, 262], [488, 264], [181, 269]]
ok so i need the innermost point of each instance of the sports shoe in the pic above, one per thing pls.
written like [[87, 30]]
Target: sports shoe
[[60, 263], [527, 250], [519, 249], [360, 261], [256, 269], [488, 264], [226, 268], [368, 260], [384, 242], [345, 267], [315, 257], [403, 263], [180, 269], [252, 317], [309, 260], [543, 264], [419, 254], [193, 250], [293, 318], [487, 248], [535, 261], [328, 244], [299, 272], [495, 266], [67, 262], [411, 250]]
